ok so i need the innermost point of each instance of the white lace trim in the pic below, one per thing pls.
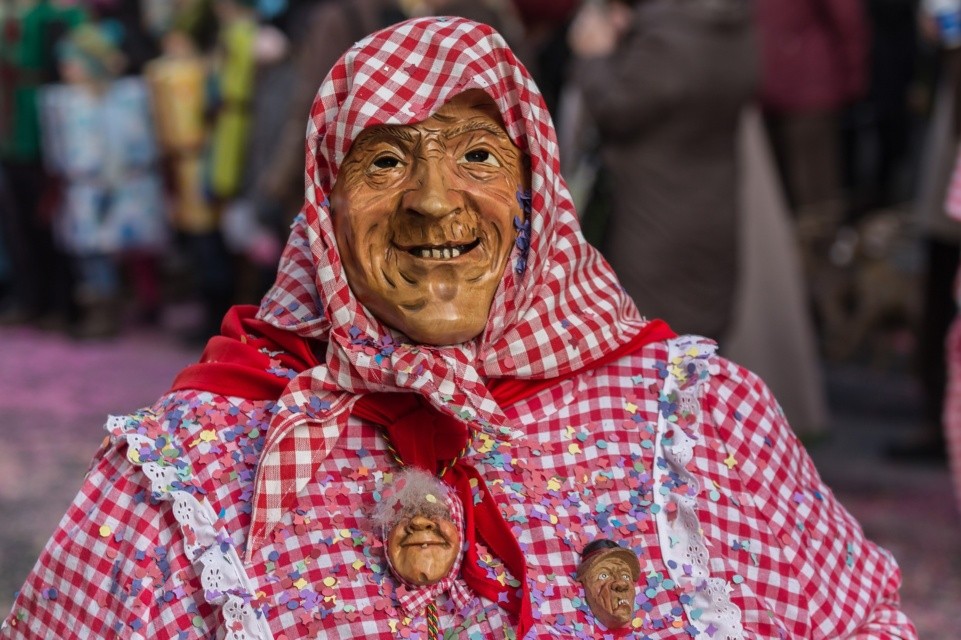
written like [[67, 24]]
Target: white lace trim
[[679, 530], [222, 576]]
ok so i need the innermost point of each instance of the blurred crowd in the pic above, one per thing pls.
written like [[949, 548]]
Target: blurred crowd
[[747, 166], [152, 151]]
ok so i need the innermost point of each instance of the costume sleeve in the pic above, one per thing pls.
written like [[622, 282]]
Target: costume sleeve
[[612, 83], [108, 568], [848, 585]]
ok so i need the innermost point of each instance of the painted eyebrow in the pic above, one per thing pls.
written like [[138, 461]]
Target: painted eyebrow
[[384, 131], [477, 125]]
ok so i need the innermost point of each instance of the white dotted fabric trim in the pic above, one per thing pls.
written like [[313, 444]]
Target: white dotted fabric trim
[[679, 530], [222, 576]]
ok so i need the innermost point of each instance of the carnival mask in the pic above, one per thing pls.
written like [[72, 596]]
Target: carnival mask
[[424, 218], [417, 521], [609, 575], [422, 548]]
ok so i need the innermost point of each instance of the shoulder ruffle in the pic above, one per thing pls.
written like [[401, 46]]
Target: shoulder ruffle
[[158, 443], [707, 599]]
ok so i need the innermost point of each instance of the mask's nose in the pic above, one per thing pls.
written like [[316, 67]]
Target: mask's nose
[[420, 523], [621, 584], [430, 194]]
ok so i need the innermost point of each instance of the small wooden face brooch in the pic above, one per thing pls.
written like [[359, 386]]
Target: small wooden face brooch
[[420, 528], [609, 574]]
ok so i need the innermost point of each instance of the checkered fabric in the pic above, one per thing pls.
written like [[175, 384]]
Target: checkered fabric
[[559, 309], [581, 466]]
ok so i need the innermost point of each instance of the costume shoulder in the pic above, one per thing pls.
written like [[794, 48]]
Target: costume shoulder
[[122, 561], [803, 544]]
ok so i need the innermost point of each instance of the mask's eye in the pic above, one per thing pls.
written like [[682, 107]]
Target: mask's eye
[[386, 162], [602, 576], [626, 576], [480, 156]]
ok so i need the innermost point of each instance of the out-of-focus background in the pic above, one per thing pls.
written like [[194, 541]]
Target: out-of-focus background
[[776, 174]]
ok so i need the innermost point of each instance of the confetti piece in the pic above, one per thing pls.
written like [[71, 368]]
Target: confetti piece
[[105, 531]]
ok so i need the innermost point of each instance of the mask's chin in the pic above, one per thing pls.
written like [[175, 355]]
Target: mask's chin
[[437, 324], [433, 302]]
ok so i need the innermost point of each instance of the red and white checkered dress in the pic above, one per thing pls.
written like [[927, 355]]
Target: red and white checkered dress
[[210, 515]]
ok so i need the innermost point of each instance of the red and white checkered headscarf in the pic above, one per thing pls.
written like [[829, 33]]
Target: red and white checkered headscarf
[[558, 308]]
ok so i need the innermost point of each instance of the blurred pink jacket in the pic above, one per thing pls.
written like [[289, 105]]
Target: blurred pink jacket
[[814, 54]]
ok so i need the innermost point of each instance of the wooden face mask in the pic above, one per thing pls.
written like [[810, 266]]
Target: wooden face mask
[[609, 576], [422, 548], [424, 219]]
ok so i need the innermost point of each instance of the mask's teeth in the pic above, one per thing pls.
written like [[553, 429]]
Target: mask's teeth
[[445, 253]]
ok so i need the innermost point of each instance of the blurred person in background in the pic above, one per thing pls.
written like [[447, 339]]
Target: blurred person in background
[[231, 85], [136, 41], [951, 417], [546, 23], [814, 63], [324, 30], [940, 237], [256, 240], [666, 82], [98, 138], [178, 87], [40, 272], [772, 332], [177, 80], [877, 130]]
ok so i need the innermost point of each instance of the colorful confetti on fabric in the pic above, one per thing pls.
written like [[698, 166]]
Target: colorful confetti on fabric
[[323, 573]]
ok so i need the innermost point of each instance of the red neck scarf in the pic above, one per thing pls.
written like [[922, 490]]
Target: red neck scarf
[[238, 363]]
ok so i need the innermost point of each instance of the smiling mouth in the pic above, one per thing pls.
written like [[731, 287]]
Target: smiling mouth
[[423, 541], [442, 252]]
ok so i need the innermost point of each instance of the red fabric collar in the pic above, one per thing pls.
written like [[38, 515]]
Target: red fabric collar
[[252, 359]]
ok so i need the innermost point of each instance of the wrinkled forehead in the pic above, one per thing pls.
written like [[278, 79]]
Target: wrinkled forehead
[[405, 74], [468, 112]]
